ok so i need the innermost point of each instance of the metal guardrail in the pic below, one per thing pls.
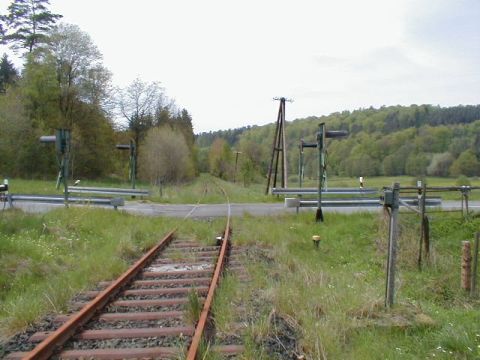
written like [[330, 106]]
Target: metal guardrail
[[108, 191], [296, 202], [329, 191], [55, 199]]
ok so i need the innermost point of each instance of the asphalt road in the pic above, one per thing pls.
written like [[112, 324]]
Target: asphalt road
[[216, 210]]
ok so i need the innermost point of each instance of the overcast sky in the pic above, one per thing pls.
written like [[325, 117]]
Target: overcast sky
[[224, 61]]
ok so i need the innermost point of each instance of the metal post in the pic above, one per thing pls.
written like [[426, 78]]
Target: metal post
[[392, 246], [62, 144], [133, 163], [300, 164], [321, 166], [473, 287]]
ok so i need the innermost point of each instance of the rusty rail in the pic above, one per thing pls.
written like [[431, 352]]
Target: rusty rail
[[197, 337], [59, 337], [202, 322]]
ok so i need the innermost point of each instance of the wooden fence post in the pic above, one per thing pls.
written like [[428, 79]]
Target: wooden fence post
[[392, 245], [473, 288], [466, 265]]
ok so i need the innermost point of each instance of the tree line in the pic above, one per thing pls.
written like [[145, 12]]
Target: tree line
[[412, 140], [63, 83]]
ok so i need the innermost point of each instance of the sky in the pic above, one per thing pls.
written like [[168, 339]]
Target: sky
[[225, 61]]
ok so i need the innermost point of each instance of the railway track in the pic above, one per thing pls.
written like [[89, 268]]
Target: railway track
[[158, 309]]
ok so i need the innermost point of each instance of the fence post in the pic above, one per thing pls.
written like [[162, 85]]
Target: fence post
[[466, 273], [473, 287], [393, 203]]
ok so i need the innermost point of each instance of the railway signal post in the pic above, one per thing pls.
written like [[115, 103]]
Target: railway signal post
[[132, 165], [322, 135], [62, 140]]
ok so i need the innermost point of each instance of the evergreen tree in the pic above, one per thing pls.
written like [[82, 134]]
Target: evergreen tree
[[27, 24], [8, 74]]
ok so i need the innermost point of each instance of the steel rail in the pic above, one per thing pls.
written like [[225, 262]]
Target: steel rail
[[202, 322], [59, 337]]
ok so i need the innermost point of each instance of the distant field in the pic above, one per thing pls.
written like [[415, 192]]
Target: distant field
[[204, 186]]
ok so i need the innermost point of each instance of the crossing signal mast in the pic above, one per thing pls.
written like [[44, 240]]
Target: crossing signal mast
[[279, 150]]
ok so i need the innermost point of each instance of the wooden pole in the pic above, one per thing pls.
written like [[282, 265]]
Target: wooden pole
[[392, 247], [466, 265], [274, 152], [284, 147], [473, 288]]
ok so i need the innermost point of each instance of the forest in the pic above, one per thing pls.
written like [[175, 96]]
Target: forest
[[412, 140], [63, 83]]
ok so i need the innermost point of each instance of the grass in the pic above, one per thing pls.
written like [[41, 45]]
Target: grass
[[335, 294], [46, 259], [205, 184]]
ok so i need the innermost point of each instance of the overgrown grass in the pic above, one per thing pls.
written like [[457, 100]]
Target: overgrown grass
[[46, 259], [335, 294]]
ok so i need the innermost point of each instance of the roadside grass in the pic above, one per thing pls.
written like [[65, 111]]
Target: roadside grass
[[334, 295], [46, 259]]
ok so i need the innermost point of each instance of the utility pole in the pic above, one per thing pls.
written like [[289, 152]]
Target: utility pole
[[236, 162], [279, 149]]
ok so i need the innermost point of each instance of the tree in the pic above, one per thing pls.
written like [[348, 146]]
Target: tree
[[467, 164], [137, 103], [78, 69], [440, 164], [8, 74], [28, 23], [41, 92], [416, 164], [220, 158], [165, 156], [184, 123]]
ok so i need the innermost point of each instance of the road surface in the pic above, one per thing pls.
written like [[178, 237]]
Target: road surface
[[216, 210]]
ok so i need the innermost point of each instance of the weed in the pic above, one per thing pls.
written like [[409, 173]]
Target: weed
[[193, 307]]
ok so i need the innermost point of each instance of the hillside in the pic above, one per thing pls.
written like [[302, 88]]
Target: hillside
[[396, 140]]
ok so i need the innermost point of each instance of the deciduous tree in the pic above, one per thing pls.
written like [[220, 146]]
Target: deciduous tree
[[165, 156]]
